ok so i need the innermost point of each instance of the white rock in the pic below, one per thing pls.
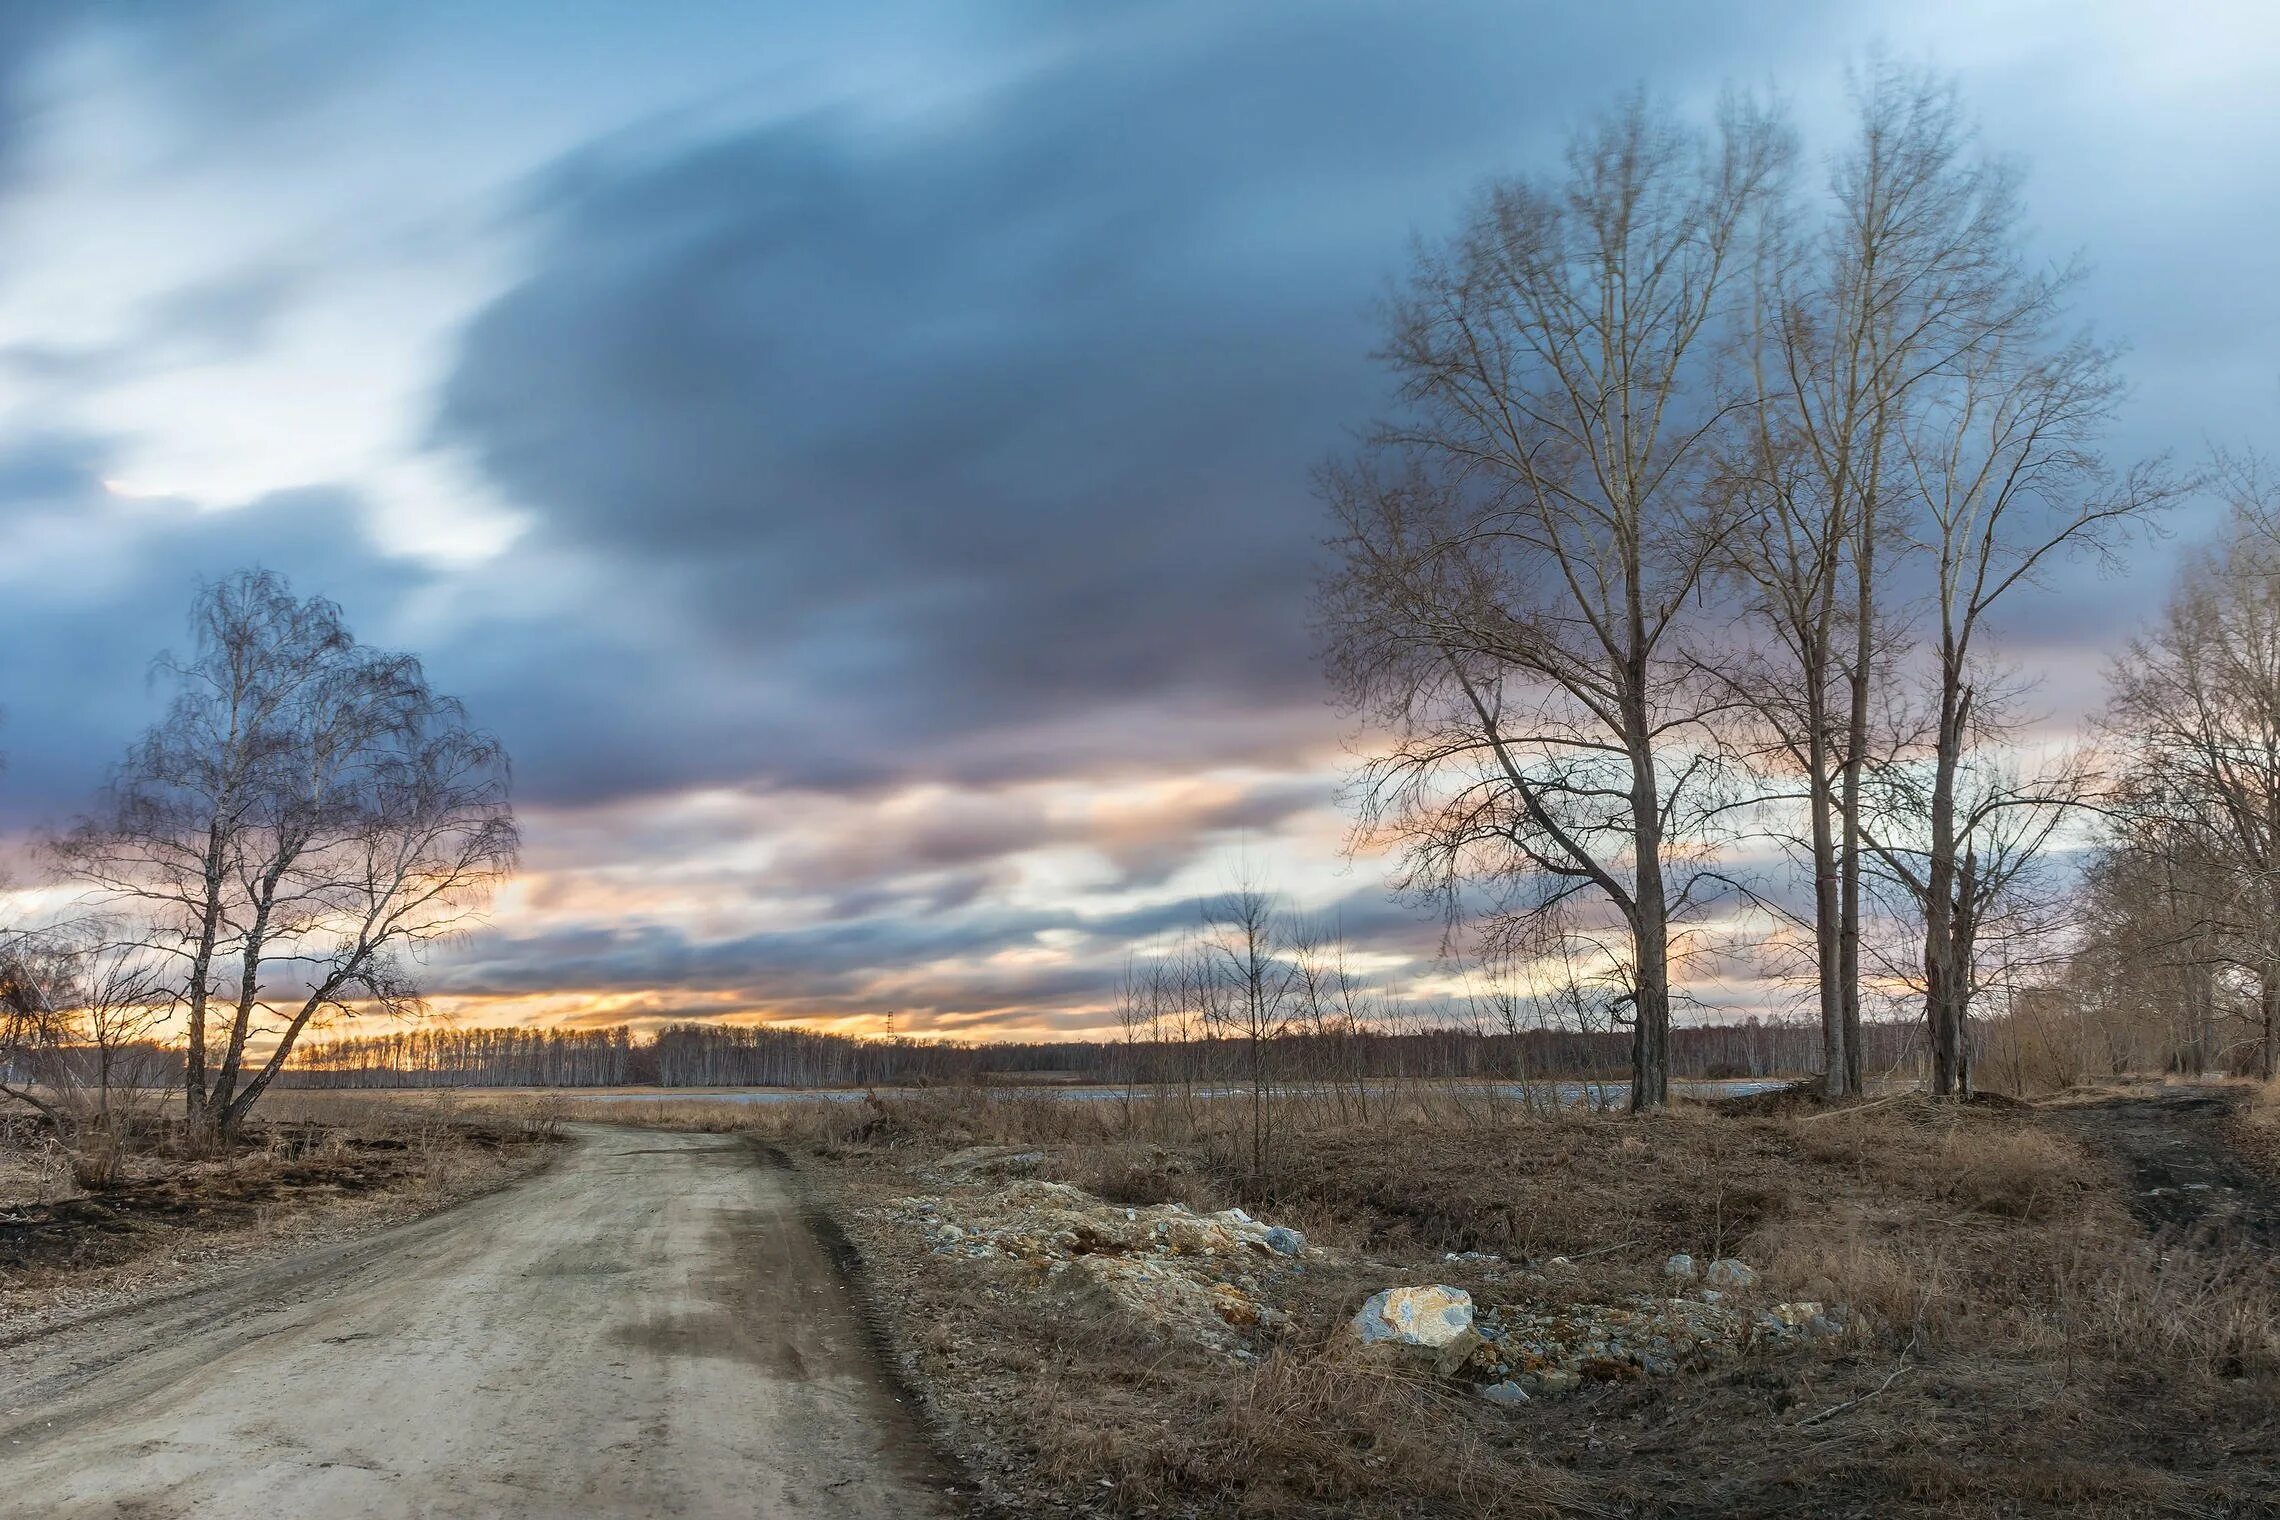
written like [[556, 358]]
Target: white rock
[[1681, 1265], [1430, 1327], [1726, 1272]]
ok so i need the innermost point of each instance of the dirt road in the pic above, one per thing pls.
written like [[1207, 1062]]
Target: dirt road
[[646, 1329]]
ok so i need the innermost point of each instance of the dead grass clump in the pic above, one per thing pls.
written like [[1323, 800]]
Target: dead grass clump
[[2138, 1306], [1312, 1434], [1109, 1419], [1563, 1184], [2012, 1171], [1137, 1176], [2255, 1128], [1984, 1158], [1913, 1295], [289, 1176]]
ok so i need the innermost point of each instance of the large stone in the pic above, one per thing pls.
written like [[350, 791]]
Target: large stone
[[1729, 1273], [1429, 1327], [1283, 1240]]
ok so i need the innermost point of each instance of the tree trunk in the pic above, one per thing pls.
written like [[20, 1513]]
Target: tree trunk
[[249, 991], [1836, 1060], [201, 972], [1944, 991], [1650, 948], [1856, 757]]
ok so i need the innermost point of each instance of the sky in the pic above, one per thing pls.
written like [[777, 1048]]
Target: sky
[[857, 457]]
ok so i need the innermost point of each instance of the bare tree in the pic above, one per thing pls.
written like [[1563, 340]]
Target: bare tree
[[80, 1015], [2147, 977], [1332, 1010], [307, 815], [2198, 699], [1518, 562], [1858, 313], [1250, 990], [2004, 911], [2003, 473]]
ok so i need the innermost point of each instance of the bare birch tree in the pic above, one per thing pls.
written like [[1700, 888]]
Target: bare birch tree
[[1518, 563], [308, 814], [1250, 991], [81, 1012]]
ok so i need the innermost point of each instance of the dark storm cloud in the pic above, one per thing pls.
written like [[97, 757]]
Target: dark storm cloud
[[98, 586], [987, 433], [951, 444]]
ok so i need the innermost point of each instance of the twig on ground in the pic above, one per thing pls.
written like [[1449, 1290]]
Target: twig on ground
[[1856, 1108], [1837, 1409]]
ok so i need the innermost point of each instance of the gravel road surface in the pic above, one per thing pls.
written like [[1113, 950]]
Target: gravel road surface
[[647, 1328]]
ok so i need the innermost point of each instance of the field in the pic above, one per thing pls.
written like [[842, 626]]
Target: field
[[2032, 1314], [1982, 1309]]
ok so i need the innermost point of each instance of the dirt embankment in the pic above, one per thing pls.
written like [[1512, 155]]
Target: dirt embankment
[[647, 1328]]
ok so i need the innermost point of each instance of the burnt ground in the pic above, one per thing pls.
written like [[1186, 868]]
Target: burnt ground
[[2187, 1182], [285, 1167]]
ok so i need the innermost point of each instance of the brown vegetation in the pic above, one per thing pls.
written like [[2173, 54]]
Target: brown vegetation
[[168, 1213], [2031, 1350]]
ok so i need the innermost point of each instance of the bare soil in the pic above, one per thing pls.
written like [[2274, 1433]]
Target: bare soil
[[2189, 1181], [647, 1328]]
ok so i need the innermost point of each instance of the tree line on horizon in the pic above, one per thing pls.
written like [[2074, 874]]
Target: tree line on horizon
[[727, 1055]]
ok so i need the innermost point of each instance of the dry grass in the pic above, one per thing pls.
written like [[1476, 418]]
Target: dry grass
[[1072, 1407], [2031, 1352], [2255, 1129], [1306, 1432], [312, 1169]]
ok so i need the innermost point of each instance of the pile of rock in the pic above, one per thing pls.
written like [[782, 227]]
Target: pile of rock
[[1522, 1353], [1208, 1279], [1722, 1274], [1200, 1277]]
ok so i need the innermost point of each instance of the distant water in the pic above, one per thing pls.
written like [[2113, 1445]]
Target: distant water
[[1568, 1094]]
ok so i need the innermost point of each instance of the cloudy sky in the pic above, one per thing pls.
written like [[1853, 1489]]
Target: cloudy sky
[[856, 456]]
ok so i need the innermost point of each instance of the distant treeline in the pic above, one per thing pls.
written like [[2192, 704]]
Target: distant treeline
[[707, 1055], [439, 1057]]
